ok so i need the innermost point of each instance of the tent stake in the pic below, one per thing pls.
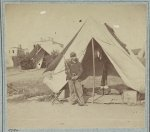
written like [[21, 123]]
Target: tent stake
[[93, 71]]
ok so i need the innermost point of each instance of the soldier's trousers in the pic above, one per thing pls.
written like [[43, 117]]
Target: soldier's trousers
[[104, 78], [76, 92]]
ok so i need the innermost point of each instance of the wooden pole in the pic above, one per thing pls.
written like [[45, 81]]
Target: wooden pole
[[93, 71]]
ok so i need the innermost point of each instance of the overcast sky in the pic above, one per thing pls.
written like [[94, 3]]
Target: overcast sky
[[27, 23]]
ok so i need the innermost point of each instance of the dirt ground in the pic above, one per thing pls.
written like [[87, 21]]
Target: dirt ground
[[44, 115], [35, 114]]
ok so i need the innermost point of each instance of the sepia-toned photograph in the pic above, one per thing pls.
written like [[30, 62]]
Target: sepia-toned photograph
[[75, 65]]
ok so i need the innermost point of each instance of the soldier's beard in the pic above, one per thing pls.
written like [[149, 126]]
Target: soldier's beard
[[75, 60]]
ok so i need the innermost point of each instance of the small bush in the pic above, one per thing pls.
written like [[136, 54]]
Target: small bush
[[26, 63]]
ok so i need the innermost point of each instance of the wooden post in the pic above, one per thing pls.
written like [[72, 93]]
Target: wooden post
[[93, 70]]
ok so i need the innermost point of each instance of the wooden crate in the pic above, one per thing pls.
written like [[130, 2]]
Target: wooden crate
[[130, 97]]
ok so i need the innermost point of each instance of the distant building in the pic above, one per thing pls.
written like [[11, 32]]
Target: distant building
[[13, 56], [13, 51], [10, 54]]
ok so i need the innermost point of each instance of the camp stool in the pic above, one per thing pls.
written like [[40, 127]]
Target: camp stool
[[55, 97]]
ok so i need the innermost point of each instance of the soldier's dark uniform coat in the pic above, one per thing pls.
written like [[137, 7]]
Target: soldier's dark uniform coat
[[76, 91]]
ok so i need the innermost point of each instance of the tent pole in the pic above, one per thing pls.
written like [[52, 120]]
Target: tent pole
[[93, 71]]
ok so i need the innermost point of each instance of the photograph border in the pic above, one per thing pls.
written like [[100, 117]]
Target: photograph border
[[3, 90]]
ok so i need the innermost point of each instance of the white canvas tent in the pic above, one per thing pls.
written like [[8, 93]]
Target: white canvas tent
[[130, 70]]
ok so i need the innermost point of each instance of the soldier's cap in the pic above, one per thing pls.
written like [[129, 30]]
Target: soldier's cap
[[72, 54]]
